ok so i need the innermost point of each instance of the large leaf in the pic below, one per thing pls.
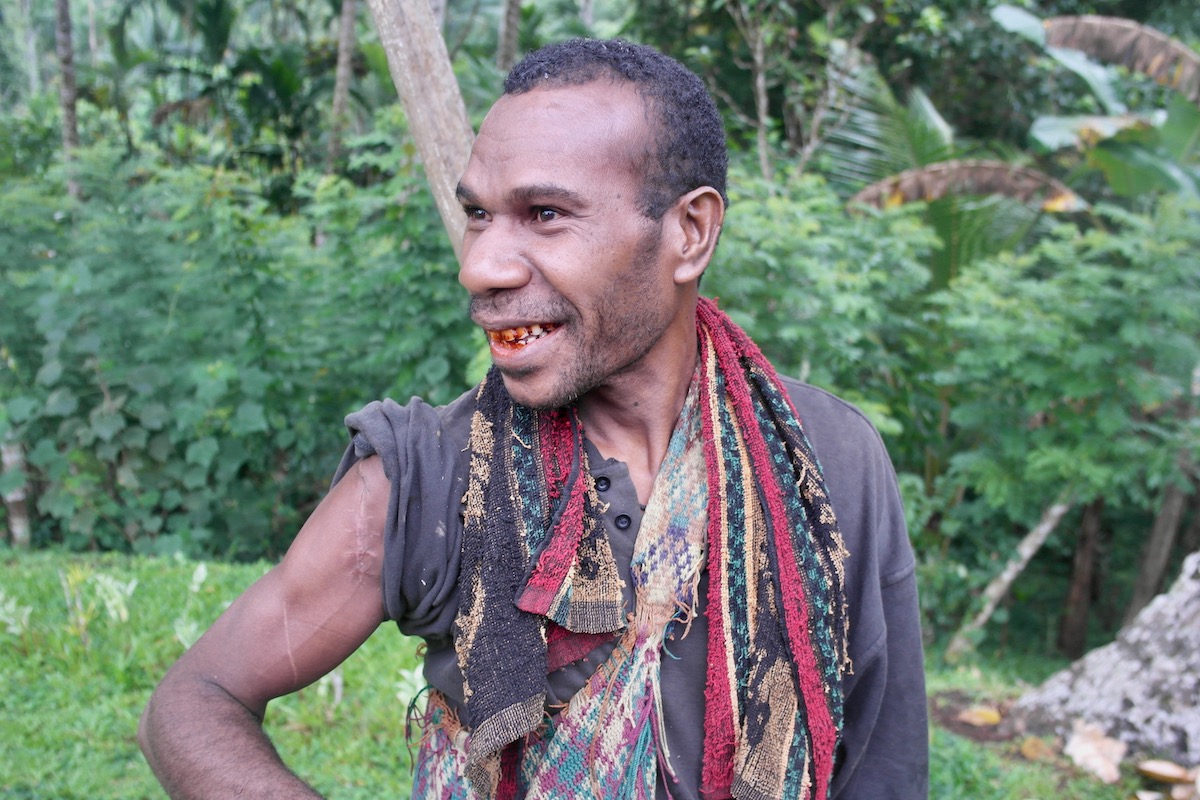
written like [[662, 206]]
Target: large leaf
[[1138, 47], [1021, 22], [1133, 169], [1111, 40], [1094, 75], [977, 208], [969, 177], [1181, 131], [1056, 133]]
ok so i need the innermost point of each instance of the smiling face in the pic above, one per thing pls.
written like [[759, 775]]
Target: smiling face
[[563, 269]]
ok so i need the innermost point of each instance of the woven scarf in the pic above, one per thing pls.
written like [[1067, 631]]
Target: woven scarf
[[539, 588]]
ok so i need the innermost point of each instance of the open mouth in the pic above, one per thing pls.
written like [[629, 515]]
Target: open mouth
[[521, 336]]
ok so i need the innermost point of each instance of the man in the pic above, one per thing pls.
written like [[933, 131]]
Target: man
[[643, 563]]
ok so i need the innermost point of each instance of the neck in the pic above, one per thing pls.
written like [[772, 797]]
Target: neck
[[632, 417]]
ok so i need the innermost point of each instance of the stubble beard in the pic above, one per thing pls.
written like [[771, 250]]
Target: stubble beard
[[628, 330]]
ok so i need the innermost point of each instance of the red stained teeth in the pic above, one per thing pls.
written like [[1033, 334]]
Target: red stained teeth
[[520, 336]]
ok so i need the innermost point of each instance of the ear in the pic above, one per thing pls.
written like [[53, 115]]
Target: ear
[[694, 223]]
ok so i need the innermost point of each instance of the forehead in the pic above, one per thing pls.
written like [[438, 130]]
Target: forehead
[[570, 134]]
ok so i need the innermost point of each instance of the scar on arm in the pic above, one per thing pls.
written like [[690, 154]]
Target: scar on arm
[[363, 532], [287, 639]]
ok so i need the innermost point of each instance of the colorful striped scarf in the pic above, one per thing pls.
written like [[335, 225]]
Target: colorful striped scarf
[[740, 492]]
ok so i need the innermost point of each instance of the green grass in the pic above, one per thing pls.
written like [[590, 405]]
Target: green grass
[[76, 681], [76, 684]]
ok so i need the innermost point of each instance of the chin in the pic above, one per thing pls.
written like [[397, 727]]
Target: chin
[[524, 391], [530, 393]]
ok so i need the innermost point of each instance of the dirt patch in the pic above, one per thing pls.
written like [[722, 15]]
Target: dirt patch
[[954, 710]]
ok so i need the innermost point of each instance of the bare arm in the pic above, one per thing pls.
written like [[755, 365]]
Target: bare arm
[[202, 729]]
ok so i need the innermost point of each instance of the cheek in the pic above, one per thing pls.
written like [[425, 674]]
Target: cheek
[[641, 297], [613, 276]]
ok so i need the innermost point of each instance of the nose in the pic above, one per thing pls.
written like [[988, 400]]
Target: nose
[[493, 259]]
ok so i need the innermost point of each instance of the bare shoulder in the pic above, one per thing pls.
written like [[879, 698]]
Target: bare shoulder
[[343, 539], [312, 610]]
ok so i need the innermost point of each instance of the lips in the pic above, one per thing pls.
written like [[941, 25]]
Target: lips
[[521, 336]]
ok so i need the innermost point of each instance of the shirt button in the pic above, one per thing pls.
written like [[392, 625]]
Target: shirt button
[[623, 521], [602, 484]]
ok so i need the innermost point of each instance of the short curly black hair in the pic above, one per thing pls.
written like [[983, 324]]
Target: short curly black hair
[[690, 149]]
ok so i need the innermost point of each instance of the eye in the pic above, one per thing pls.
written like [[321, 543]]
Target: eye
[[545, 214], [475, 214]]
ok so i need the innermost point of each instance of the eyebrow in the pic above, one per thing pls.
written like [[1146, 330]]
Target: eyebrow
[[546, 191], [465, 195], [534, 193]]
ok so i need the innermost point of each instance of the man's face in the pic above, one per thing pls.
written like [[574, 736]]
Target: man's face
[[562, 267]]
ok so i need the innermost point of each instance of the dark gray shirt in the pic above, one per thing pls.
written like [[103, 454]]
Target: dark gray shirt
[[884, 751]]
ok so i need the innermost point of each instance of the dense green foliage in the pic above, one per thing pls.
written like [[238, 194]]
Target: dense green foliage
[[84, 639], [990, 87], [1070, 369], [179, 343], [178, 346], [178, 357]]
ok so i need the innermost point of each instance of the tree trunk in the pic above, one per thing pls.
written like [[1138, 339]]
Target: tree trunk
[[510, 30], [341, 82], [1156, 552], [961, 644], [66, 90], [12, 459], [437, 116], [761, 105], [438, 7], [752, 27], [31, 49], [1072, 635], [1108, 606], [1191, 537], [93, 35], [1143, 688], [587, 13]]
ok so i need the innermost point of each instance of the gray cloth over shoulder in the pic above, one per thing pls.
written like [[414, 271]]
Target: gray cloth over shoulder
[[425, 464], [884, 750]]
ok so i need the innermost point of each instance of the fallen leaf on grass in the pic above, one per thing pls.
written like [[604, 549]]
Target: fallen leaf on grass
[[1037, 749], [1165, 771], [980, 716], [1094, 752]]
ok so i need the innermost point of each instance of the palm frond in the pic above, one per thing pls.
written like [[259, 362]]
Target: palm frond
[[974, 228], [881, 136]]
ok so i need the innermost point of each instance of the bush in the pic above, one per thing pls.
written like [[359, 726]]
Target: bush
[[1070, 368], [179, 358], [827, 295]]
